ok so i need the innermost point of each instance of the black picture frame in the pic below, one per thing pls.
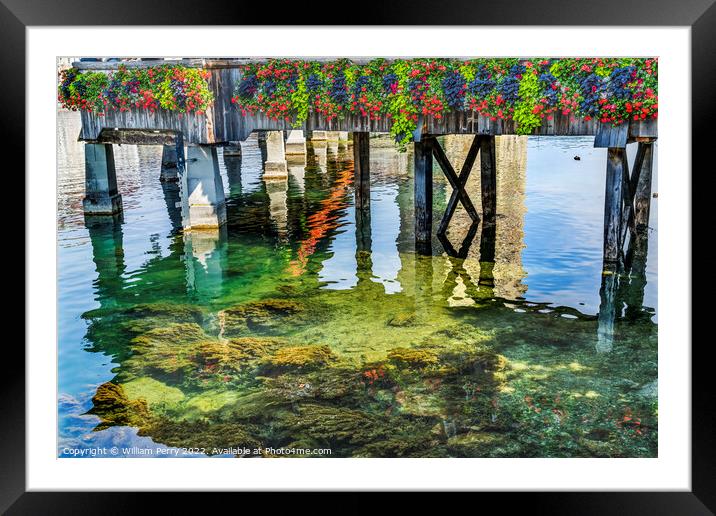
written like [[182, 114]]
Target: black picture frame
[[700, 15]]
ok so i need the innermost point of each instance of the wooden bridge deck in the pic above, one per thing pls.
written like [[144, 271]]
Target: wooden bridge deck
[[223, 122]]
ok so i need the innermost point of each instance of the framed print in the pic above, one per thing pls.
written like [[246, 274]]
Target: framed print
[[446, 257]]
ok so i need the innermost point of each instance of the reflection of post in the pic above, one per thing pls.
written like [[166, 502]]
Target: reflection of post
[[423, 194], [332, 142], [423, 285], [105, 234], [278, 206], [232, 162], [361, 179], [297, 171], [172, 198], [320, 153], [511, 160], [487, 256], [205, 256], [607, 308], [169, 171], [633, 294], [488, 179]]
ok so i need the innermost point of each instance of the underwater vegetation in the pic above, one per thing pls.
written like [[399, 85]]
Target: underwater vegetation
[[258, 378]]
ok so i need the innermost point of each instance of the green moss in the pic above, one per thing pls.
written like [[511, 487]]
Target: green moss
[[299, 357], [402, 319], [114, 408], [411, 357], [264, 315], [153, 392], [209, 437]]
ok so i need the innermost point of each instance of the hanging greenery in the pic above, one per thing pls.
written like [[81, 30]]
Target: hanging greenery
[[174, 88], [526, 91]]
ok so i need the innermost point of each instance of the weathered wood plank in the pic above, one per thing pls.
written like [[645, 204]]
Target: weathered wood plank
[[423, 192], [616, 158], [361, 167], [488, 179], [642, 193]]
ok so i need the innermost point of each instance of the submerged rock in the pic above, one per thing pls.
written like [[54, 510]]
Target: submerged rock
[[111, 405], [299, 357], [411, 357], [264, 315], [207, 437], [402, 319]]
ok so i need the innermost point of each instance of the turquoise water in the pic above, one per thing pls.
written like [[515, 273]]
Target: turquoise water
[[287, 329]]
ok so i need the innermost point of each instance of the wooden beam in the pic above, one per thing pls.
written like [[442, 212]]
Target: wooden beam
[[457, 183], [642, 192], [488, 176], [361, 167], [614, 191], [423, 193]]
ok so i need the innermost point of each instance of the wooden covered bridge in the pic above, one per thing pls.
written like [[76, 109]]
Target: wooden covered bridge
[[190, 149]]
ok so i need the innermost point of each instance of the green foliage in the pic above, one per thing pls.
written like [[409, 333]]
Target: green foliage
[[173, 88], [519, 91]]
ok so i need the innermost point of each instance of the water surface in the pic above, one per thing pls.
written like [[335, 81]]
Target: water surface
[[304, 325]]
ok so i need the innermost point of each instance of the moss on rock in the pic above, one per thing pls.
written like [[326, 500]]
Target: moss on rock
[[265, 315], [299, 357], [412, 357], [111, 404]]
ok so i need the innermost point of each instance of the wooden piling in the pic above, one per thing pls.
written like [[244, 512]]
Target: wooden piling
[[488, 176], [423, 193], [361, 166], [613, 197], [642, 192]]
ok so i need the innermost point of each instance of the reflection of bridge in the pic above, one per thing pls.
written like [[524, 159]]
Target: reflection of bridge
[[481, 264], [203, 205]]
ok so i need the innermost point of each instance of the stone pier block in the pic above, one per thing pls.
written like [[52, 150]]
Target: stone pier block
[[101, 195], [202, 195]]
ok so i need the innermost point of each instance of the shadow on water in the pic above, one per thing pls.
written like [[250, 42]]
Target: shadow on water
[[308, 323]]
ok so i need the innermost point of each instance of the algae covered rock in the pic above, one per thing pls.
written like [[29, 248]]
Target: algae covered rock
[[412, 357], [111, 405], [402, 319], [299, 357], [207, 437], [153, 392], [266, 315], [166, 350]]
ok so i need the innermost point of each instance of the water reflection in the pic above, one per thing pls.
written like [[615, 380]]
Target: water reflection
[[522, 289]]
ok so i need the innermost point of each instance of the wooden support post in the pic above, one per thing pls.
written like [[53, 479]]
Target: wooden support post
[[614, 192], [361, 167], [488, 176], [423, 194], [642, 192]]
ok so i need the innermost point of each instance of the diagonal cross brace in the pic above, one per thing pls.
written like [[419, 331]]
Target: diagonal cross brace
[[457, 182]]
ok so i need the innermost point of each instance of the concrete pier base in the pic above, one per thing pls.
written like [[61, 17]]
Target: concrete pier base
[[169, 171], [319, 136], [297, 171], [275, 164], [295, 143], [202, 191], [101, 195]]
